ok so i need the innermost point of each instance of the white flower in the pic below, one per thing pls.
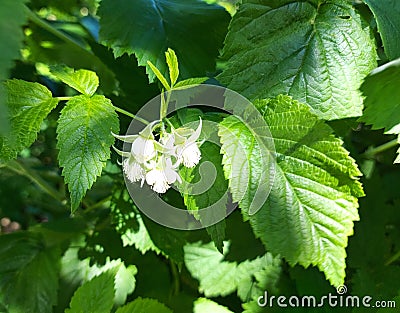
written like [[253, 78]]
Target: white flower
[[162, 175], [187, 150], [133, 170]]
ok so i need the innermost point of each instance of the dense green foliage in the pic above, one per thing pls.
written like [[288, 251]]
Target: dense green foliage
[[311, 164]]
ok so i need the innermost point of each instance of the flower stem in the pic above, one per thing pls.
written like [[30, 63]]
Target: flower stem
[[133, 116], [371, 152]]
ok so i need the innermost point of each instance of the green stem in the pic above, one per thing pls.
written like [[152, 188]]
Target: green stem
[[43, 24], [370, 153], [133, 116], [19, 168], [176, 279], [393, 259]]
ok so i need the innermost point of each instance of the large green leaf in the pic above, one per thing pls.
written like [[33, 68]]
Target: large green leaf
[[207, 188], [312, 205], [382, 99], [387, 14], [28, 273], [220, 278], [317, 53], [194, 29], [28, 105], [84, 140], [96, 295], [12, 17], [144, 305]]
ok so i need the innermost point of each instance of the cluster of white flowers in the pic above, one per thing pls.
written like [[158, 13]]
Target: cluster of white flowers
[[157, 162]]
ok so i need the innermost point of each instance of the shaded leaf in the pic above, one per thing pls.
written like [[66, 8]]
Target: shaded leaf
[[387, 17], [382, 104], [194, 29], [12, 17], [28, 105], [28, 273]]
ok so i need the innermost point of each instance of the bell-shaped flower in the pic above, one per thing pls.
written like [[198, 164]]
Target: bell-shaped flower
[[162, 175], [187, 150]]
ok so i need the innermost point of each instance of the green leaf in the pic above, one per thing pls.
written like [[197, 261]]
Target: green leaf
[[84, 81], [382, 104], [220, 278], [160, 76], [28, 273], [28, 105], [203, 305], [312, 205], [84, 140], [318, 54], [12, 17], [125, 281], [173, 66], [194, 29], [190, 82], [205, 187], [141, 305], [387, 17], [96, 295]]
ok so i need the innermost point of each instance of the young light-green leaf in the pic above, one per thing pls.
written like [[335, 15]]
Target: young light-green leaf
[[173, 66], [387, 17], [160, 76], [141, 305], [312, 205], [28, 273], [84, 140], [382, 99], [84, 81], [96, 295], [28, 105], [202, 29], [318, 54]]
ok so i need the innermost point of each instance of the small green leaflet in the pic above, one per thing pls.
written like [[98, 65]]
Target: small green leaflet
[[127, 31], [84, 140], [84, 81], [387, 14], [28, 273], [318, 54], [203, 305], [220, 278], [211, 196], [312, 205], [141, 305], [173, 67], [12, 17], [382, 99], [96, 295], [28, 105]]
